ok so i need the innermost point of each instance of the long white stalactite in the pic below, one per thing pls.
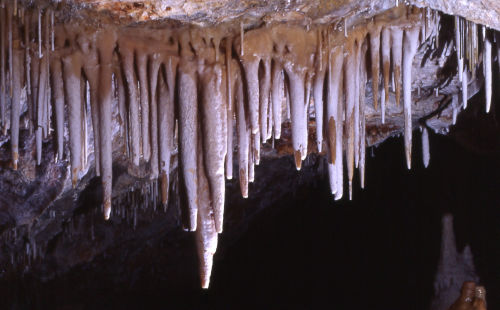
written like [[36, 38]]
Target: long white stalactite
[[410, 49], [488, 74]]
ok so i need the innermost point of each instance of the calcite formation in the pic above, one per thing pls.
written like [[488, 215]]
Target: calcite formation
[[206, 92]]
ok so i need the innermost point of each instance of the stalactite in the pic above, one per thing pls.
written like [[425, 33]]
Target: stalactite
[[72, 65], [206, 233], [166, 122], [188, 129], [362, 117], [243, 131], [41, 102], [465, 84], [47, 103], [334, 118], [264, 91], [127, 55], [141, 63], [16, 104], [454, 104], [256, 148], [397, 52], [386, 61], [358, 46], [229, 74], [298, 112], [251, 159], [57, 86], [27, 66], [122, 109], [10, 47], [410, 49], [85, 99], [39, 12], [458, 47], [251, 69], [319, 80], [350, 84], [214, 115], [106, 42], [154, 108], [277, 97], [91, 68], [488, 74], [425, 147], [375, 60], [382, 106]]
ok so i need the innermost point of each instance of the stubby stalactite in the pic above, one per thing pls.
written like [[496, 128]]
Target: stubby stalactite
[[196, 89]]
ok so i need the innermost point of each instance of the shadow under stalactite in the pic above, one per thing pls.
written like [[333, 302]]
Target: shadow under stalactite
[[291, 246]]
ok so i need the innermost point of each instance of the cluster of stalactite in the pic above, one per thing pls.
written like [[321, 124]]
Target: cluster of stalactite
[[196, 89]]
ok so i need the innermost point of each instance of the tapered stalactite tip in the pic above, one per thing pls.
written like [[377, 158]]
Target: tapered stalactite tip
[[107, 210], [408, 159], [298, 159]]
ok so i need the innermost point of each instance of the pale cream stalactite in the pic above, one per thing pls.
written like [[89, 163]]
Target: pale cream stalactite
[[122, 107], [251, 69], [166, 122], [91, 67], [335, 63], [41, 102], [277, 96], [214, 116], [397, 56], [58, 95], [127, 56], [465, 83], [243, 131], [298, 112], [458, 47], [264, 90], [251, 159], [256, 148], [339, 141], [386, 61], [358, 46], [425, 147], [48, 95], [375, 61], [16, 104], [27, 67], [410, 49], [34, 73], [85, 99], [488, 74], [350, 84], [72, 66], [188, 129], [153, 67], [229, 74], [10, 47], [206, 233], [144, 99], [362, 116], [106, 44]]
